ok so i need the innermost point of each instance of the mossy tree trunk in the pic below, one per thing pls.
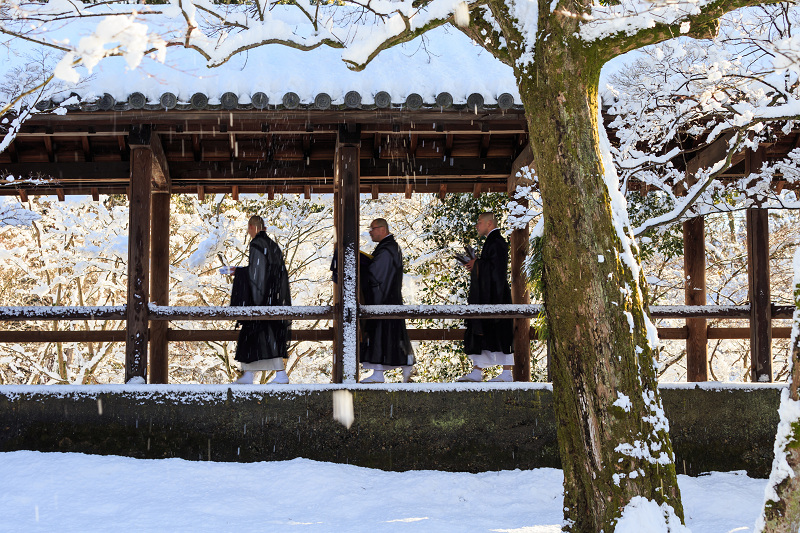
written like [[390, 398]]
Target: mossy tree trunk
[[613, 436], [782, 509]]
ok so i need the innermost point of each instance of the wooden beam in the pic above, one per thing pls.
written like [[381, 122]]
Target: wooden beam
[[759, 294], [235, 193], [70, 335], [409, 190], [271, 192], [12, 151], [525, 159], [518, 250], [413, 141], [95, 194], [442, 191], [201, 193], [709, 155], [159, 285], [23, 195], [694, 271], [307, 192], [48, 147], [22, 314], [138, 264], [143, 137], [60, 194], [485, 139], [476, 190], [219, 335], [374, 192], [197, 148], [346, 177], [87, 149]]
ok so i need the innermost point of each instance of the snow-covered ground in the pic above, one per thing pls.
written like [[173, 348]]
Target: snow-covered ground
[[83, 493]]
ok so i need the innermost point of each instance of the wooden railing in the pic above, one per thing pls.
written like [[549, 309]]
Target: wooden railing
[[176, 314]]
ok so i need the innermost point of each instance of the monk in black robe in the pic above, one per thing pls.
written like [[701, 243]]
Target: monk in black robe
[[385, 345], [263, 344], [488, 341]]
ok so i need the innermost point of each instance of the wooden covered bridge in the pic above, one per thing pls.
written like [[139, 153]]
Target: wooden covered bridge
[[302, 123], [367, 145]]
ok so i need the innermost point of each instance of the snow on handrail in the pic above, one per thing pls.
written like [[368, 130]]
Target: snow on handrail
[[47, 312], [163, 312], [276, 312], [450, 311], [700, 311]]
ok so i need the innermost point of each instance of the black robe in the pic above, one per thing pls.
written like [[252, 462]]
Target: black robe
[[385, 341], [263, 282], [489, 285]]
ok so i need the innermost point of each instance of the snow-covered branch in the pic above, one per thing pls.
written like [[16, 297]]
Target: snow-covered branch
[[13, 213]]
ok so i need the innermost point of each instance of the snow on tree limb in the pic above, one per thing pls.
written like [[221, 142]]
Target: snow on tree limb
[[13, 213]]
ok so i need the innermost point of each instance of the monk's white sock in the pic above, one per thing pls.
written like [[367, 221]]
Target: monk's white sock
[[246, 379], [475, 375], [280, 378], [505, 375], [375, 377]]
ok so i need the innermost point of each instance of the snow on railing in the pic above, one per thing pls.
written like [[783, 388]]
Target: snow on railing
[[450, 311], [326, 312], [47, 312], [276, 312]]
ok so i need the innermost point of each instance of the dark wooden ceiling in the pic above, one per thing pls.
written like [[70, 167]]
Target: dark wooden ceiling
[[289, 151], [248, 151]]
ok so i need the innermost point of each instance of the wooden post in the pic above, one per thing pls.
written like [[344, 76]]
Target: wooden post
[[346, 183], [694, 270], [518, 249], [759, 292], [758, 281], [138, 264], [159, 286]]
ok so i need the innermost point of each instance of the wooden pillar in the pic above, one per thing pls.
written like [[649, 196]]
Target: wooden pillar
[[138, 264], [346, 183], [758, 281], [159, 285], [694, 271], [518, 249], [520, 295], [759, 293]]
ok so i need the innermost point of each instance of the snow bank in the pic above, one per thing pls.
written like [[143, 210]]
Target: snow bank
[[85, 493]]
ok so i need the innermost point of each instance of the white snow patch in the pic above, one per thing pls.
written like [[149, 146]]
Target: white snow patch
[[624, 402], [642, 515]]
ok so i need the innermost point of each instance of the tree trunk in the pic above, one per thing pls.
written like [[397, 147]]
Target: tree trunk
[[782, 508], [613, 435]]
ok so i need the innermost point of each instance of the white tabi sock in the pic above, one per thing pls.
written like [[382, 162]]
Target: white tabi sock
[[475, 375], [280, 378], [504, 376], [375, 377], [246, 379]]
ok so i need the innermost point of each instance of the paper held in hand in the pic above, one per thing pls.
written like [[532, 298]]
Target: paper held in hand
[[467, 256]]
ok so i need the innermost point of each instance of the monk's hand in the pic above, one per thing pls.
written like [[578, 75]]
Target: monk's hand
[[469, 265]]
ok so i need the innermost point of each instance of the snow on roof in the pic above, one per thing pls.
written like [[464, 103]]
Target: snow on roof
[[444, 60]]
